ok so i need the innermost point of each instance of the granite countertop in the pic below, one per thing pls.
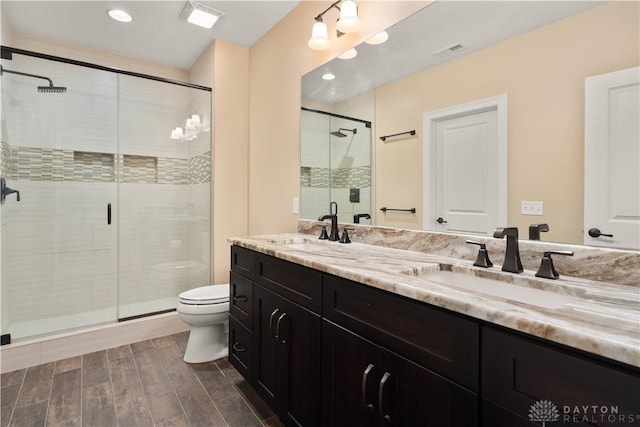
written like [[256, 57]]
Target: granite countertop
[[596, 317]]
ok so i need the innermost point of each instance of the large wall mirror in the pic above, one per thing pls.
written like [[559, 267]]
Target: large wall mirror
[[532, 59]]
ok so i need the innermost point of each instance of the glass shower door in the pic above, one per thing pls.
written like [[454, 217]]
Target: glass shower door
[[164, 200], [59, 249]]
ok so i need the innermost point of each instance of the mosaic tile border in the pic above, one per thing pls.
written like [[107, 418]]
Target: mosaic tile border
[[42, 164], [356, 177], [200, 168]]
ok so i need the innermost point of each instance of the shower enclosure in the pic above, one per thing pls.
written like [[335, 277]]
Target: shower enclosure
[[335, 165], [113, 220]]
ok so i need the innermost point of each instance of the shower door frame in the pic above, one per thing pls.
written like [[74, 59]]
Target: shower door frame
[[8, 52]]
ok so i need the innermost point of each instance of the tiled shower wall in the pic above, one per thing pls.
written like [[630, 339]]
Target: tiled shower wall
[[72, 154], [331, 166]]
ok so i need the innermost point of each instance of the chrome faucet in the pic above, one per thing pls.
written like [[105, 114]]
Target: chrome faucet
[[333, 216], [512, 261]]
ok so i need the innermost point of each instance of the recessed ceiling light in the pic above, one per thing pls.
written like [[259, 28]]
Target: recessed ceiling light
[[379, 38], [328, 76], [120, 15], [351, 53]]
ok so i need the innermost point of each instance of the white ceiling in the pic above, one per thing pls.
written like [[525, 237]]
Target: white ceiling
[[411, 43], [158, 33]]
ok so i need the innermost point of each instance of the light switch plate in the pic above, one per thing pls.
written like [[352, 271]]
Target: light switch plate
[[531, 208], [295, 205]]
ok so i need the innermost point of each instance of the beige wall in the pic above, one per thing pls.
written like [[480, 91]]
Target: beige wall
[[231, 151], [543, 74], [278, 61]]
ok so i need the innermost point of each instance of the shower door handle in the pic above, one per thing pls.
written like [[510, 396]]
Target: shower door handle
[[109, 213]]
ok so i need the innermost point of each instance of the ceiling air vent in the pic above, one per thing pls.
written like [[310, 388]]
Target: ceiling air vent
[[449, 50]]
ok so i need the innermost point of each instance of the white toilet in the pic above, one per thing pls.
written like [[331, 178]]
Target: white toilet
[[206, 311]]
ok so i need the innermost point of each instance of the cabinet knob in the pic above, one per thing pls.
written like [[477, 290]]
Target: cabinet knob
[[240, 298]]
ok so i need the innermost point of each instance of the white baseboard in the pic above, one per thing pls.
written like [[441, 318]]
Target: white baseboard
[[61, 346]]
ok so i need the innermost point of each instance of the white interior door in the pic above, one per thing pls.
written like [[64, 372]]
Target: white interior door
[[612, 159], [465, 181]]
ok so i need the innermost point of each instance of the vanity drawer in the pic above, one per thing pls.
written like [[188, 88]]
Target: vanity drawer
[[439, 340], [519, 371], [244, 261], [240, 298], [240, 348], [298, 283]]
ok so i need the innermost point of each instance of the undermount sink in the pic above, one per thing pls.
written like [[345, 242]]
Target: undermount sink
[[497, 288]]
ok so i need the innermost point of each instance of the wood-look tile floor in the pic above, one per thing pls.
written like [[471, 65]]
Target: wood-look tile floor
[[141, 384]]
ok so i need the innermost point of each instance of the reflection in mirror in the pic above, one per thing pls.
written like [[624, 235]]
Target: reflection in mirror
[[335, 165], [537, 53]]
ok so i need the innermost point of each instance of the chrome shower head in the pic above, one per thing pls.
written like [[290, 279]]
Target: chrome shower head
[[52, 89], [340, 134]]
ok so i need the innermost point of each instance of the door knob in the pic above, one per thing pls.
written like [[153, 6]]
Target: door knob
[[441, 220], [595, 232]]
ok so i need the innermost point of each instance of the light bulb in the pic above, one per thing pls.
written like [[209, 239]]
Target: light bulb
[[319, 36], [348, 22]]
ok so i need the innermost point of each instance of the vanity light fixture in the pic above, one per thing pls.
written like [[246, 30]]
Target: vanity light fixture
[[319, 36], [347, 23], [177, 133], [192, 128], [119, 15], [200, 14]]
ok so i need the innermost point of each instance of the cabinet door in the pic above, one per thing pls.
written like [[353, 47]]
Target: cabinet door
[[350, 375], [366, 385], [522, 374], [267, 363], [410, 395], [287, 366]]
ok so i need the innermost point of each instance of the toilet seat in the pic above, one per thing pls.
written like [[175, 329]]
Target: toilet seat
[[206, 295]]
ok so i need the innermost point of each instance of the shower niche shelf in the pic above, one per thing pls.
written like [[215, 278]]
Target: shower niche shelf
[[139, 169], [89, 166]]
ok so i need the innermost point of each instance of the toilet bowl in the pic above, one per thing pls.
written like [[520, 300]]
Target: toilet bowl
[[206, 311]]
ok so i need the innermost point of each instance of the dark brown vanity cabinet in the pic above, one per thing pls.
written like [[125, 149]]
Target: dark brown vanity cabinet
[[325, 351], [279, 353], [519, 372], [366, 384], [243, 266], [287, 358]]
